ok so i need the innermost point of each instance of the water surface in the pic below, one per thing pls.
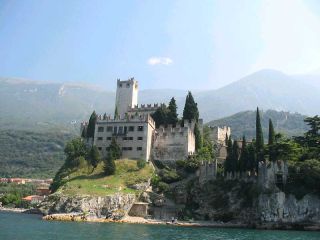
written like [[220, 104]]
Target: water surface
[[24, 226]]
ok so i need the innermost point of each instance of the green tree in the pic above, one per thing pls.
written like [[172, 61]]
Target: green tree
[[198, 137], [259, 138], [271, 141], [251, 163], [190, 111], [244, 156], [113, 154], [235, 157], [92, 125], [228, 161], [172, 116], [74, 150], [116, 113], [160, 115], [94, 156]]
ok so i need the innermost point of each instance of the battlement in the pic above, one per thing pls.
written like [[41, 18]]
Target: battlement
[[127, 118], [219, 133], [127, 83], [150, 108]]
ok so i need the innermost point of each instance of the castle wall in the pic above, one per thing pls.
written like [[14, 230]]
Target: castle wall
[[172, 144], [134, 135], [207, 171]]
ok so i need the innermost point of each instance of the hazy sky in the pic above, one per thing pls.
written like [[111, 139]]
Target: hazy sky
[[163, 44]]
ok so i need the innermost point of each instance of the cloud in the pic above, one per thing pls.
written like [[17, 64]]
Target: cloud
[[159, 61]]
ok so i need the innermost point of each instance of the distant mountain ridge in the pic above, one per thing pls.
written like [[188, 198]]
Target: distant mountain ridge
[[35, 104]]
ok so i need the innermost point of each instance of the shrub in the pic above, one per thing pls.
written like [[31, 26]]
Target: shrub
[[141, 163], [163, 187], [169, 176]]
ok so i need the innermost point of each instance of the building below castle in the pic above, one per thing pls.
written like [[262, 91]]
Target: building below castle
[[135, 131]]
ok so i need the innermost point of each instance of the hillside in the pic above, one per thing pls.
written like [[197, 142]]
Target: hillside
[[30, 154], [84, 181], [243, 123]]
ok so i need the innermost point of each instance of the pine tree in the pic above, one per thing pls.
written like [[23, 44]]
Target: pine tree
[[198, 137], [94, 156], [259, 138], [190, 111], [160, 115], [251, 158], [271, 142], [172, 117], [92, 125]]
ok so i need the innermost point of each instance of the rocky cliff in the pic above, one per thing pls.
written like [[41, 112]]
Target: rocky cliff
[[113, 206]]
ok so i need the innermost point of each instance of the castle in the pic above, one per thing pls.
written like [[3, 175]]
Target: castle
[[135, 130]]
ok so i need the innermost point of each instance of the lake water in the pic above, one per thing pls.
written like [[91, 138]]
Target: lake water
[[23, 226]]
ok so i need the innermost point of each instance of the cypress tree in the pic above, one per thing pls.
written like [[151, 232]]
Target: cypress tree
[[160, 115], [94, 156], [244, 156], [92, 125], [105, 116], [271, 142], [190, 111], [116, 113], [172, 117], [235, 157], [228, 161], [198, 137], [271, 133], [251, 158], [259, 138], [113, 154]]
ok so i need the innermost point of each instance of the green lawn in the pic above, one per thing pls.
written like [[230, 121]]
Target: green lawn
[[86, 182]]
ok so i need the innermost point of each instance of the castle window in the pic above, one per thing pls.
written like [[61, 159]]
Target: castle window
[[109, 138], [99, 148], [130, 138], [107, 148], [124, 138], [120, 85], [115, 130], [139, 148], [125, 130], [120, 130], [140, 128], [140, 138], [131, 128], [109, 129], [128, 85], [100, 138], [100, 129], [126, 148]]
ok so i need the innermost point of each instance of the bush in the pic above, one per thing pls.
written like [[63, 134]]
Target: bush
[[169, 176], [141, 163], [163, 187]]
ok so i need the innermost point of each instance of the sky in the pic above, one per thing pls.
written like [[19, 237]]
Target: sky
[[181, 44]]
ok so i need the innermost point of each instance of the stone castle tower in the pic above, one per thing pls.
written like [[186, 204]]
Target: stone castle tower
[[126, 96]]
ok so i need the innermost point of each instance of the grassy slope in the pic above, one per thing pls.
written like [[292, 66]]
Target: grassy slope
[[84, 181]]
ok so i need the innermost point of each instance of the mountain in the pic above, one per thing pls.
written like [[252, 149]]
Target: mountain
[[268, 89], [42, 105], [244, 123]]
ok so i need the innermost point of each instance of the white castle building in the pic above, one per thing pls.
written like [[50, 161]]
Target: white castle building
[[135, 131]]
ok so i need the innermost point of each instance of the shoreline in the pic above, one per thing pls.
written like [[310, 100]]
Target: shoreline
[[75, 217], [78, 217]]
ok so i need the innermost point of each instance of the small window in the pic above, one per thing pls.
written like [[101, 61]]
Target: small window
[[125, 130], [99, 148], [100, 129], [100, 138], [109, 138], [140, 138], [139, 148], [120, 130], [120, 85], [140, 128], [115, 130], [130, 138], [131, 128], [126, 148], [109, 129], [107, 148], [128, 85]]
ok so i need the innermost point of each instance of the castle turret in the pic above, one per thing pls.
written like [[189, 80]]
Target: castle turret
[[126, 96]]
